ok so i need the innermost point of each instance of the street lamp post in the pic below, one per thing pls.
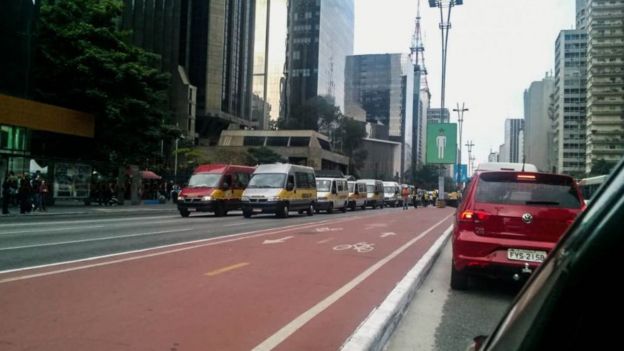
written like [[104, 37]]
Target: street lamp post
[[460, 120], [445, 26], [175, 165]]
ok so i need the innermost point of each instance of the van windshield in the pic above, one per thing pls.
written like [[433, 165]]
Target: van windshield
[[389, 189], [267, 180], [207, 180], [351, 187], [323, 185], [370, 188]]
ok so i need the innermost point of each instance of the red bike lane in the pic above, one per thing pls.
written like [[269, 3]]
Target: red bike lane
[[288, 288]]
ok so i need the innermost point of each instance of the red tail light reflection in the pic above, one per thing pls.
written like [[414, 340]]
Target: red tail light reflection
[[469, 215]]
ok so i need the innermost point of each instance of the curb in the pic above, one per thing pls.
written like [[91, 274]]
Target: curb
[[375, 331]]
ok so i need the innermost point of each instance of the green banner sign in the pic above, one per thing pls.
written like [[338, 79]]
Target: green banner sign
[[441, 143]]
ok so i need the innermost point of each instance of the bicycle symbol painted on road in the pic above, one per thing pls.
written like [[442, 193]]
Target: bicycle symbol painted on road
[[359, 247]]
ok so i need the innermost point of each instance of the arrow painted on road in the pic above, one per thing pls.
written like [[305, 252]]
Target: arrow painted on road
[[387, 234], [277, 241]]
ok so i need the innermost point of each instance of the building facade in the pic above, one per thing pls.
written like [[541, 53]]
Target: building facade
[[569, 110], [537, 122], [271, 18], [320, 37], [605, 81], [208, 49], [513, 140], [301, 147], [382, 90], [493, 156]]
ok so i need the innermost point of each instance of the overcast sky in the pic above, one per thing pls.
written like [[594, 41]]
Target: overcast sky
[[496, 49]]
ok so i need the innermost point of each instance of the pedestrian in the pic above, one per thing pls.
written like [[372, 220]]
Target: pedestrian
[[6, 195], [415, 197], [405, 195], [24, 195], [43, 195], [36, 195]]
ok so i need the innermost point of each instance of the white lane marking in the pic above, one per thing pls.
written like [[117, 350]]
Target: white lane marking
[[200, 242], [327, 229], [325, 241], [47, 230], [94, 239], [370, 332], [286, 331], [359, 247], [277, 241], [388, 234]]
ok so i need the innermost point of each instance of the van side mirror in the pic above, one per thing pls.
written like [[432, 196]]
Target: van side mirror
[[290, 186]]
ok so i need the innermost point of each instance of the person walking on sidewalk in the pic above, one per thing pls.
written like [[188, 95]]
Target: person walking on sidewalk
[[6, 195], [405, 195], [43, 195], [24, 195]]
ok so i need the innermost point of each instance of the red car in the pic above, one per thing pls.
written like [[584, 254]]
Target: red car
[[509, 221]]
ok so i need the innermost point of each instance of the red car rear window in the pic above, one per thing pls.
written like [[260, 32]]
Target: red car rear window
[[527, 189]]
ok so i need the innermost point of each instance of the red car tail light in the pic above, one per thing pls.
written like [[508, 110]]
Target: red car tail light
[[472, 216], [528, 177]]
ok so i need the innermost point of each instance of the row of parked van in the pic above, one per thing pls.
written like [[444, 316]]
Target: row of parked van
[[279, 188]]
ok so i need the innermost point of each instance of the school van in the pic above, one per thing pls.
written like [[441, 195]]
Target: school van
[[214, 188], [392, 194], [280, 188], [333, 193], [374, 193], [357, 195]]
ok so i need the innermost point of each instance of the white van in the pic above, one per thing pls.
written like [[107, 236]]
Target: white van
[[374, 193], [357, 195], [392, 194], [332, 193], [280, 188]]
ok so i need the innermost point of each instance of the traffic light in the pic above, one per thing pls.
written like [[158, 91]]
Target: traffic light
[[433, 3], [459, 2]]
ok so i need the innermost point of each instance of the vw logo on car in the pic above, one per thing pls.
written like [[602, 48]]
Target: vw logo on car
[[527, 218]]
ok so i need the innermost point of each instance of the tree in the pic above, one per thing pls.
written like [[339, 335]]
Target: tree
[[315, 114], [263, 155], [427, 177], [601, 167], [85, 62], [349, 135]]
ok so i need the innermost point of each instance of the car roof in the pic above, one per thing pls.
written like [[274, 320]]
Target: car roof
[[506, 166]]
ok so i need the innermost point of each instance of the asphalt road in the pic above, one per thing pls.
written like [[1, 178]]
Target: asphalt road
[[204, 283], [440, 318], [26, 242]]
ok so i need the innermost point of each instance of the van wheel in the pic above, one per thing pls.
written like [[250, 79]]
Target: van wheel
[[310, 210], [247, 213], [459, 280], [330, 209], [220, 209], [185, 213], [353, 206], [344, 208], [364, 207], [283, 212]]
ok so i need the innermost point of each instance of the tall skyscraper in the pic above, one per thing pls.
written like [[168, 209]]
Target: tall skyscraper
[[379, 89], [605, 81], [269, 59], [569, 110], [513, 139], [537, 122], [320, 37], [581, 14], [208, 49]]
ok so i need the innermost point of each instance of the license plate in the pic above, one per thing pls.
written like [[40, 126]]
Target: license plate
[[526, 255]]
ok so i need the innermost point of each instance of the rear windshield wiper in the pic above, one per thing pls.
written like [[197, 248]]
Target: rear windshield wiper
[[542, 203]]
